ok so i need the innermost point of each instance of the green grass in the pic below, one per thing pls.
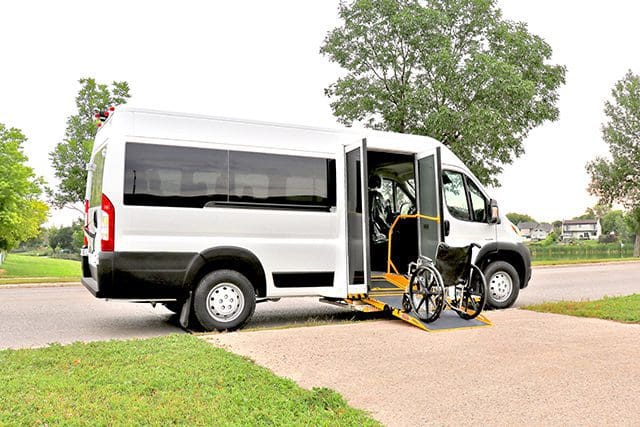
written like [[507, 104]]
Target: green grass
[[178, 379], [31, 267], [581, 261], [621, 309]]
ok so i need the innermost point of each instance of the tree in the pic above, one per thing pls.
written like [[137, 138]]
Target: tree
[[550, 239], [67, 238], [455, 70], [557, 227], [21, 213], [596, 212], [70, 157], [618, 179], [517, 218], [588, 214], [61, 238], [614, 222]]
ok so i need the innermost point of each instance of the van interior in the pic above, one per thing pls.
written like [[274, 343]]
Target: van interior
[[391, 190]]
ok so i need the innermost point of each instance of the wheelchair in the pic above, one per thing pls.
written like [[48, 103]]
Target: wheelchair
[[452, 281]]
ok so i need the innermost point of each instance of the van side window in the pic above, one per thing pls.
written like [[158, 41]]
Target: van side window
[[455, 195], [273, 179], [163, 175], [464, 199]]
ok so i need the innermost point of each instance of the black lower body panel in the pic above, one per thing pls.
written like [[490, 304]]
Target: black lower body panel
[[139, 275]]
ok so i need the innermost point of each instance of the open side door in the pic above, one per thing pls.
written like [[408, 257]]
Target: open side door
[[357, 212], [430, 203]]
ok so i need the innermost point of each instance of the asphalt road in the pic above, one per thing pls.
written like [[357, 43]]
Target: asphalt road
[[32, 317]]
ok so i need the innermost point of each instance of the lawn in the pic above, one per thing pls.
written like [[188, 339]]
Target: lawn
[[178, 379], [622, 309], [18, 266]]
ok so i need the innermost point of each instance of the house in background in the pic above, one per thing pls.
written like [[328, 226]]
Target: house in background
[[581, 229], [534, 230], [526, 228], [541, 231]]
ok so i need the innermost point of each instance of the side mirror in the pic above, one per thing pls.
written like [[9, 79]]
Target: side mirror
[[494, 212]]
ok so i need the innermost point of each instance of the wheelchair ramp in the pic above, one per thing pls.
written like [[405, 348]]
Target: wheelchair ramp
[[386, 294]]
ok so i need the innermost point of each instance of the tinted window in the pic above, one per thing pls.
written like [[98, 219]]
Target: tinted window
[[478, 202], [279, 180], [455, 195], [159, 175]]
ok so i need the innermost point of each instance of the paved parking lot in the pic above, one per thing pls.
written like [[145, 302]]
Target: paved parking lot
[[530, 368]]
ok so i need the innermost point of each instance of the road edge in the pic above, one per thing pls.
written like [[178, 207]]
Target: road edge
[[40, 285]]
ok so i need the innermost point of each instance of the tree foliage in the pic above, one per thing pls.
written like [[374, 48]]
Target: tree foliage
[[70, 157], [455, 70], [67, 238], [614, 222], [617, 179], [21, 212], [517, 218]]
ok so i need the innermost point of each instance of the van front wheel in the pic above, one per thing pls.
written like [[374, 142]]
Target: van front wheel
[[224, 300], [503, 284]]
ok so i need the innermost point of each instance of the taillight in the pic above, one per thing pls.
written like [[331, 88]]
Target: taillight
[[86, 222], [107, 226]]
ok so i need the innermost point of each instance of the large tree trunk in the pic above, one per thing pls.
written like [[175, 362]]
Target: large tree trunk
[[636, 247]]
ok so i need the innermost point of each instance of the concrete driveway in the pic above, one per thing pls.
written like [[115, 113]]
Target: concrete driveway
[[530, 368]]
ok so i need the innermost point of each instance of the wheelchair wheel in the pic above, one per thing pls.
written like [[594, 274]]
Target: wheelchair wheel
[[474, 295], [426, 293]]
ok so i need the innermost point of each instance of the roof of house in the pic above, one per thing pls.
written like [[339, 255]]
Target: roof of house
[[545, 226], [579, 221], [527, 225]]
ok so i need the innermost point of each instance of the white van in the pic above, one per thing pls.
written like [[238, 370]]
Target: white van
[[213, 215]]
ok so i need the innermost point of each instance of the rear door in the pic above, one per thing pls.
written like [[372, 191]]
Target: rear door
[[94, 196], [357, 217], [429, 198]]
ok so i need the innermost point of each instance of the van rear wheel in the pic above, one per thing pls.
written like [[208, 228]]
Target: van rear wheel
[[224, 300]]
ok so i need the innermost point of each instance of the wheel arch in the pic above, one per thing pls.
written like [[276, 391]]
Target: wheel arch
[[227, 257], [515, 254]]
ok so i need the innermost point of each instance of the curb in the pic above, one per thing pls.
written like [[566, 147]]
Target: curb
[[39, 285], [585, 264]]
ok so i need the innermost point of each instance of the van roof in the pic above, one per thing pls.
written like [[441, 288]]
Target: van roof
[[146, 123]]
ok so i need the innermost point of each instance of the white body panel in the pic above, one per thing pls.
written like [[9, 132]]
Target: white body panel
[[283, 241]]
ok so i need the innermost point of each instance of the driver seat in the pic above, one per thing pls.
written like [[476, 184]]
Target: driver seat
[[377, 211]]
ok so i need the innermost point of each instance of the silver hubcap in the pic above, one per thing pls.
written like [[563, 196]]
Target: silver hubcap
[[225, 302], [500, 286]]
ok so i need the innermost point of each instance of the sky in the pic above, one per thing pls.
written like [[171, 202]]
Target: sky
[[260, 60]]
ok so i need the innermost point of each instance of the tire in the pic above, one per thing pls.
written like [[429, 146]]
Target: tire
[[503, 284], [224, 300], [476, 287], [425, 289]]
